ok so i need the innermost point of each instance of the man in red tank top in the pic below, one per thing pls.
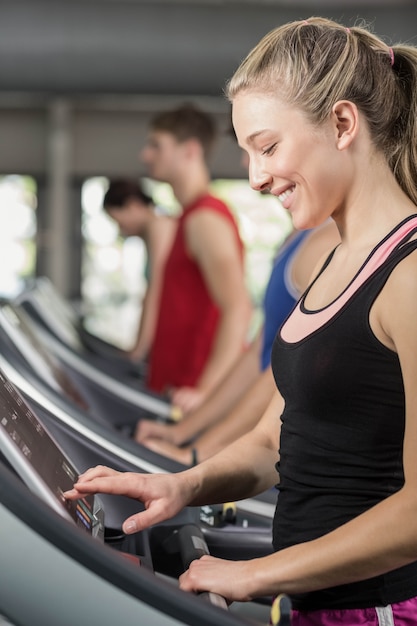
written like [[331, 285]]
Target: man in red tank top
[[204, 307]]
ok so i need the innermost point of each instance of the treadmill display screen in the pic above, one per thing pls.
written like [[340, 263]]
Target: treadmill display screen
[[34, 352], [39, 461]]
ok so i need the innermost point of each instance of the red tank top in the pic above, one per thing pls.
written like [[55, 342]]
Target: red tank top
[[188, 317]]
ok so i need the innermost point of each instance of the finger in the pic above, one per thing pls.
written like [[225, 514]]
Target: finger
[[84, 478], [189, 583], [157, 445], [195, 577], [140, 521], [98, 470], [73, 494], [151, 430], [184, 403], [127, 484]]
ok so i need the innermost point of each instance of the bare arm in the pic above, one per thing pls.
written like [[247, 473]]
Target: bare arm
[[377, 541], [161, 234], [241, 419], [214, 408], [244, 469], [229, 390]]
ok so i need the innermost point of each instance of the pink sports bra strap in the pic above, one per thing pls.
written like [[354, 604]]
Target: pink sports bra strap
[[302, 323]]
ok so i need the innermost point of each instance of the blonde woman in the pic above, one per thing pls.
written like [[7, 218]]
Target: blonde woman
[[327, 115]]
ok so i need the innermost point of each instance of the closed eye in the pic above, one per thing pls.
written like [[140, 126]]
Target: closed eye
[[269, 150]]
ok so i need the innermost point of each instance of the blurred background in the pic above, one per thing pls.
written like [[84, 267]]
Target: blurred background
[[79, 81]]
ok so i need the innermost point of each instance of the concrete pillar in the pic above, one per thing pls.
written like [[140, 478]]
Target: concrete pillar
[[58, 241]]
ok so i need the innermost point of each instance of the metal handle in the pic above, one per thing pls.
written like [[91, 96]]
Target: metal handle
[[192, 546], [281, 611]]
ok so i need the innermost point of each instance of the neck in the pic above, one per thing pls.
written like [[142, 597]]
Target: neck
[[191, 186], [147, 224], [377, 208]]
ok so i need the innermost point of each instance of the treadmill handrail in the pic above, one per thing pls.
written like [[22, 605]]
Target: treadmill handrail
[[29, 390], [249, 505], [134, 396], [38, 296], [22, 344], [137, 582]]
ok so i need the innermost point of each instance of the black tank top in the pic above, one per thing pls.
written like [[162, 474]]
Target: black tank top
[[343, 423]]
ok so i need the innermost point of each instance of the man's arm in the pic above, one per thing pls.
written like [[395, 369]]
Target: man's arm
[[241, 419], [211, 241], [243, 372]]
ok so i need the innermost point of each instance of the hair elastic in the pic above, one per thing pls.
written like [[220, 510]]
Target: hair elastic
[[391, 56]]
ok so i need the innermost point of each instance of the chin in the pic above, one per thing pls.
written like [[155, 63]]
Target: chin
[[306, 222], [301, 223]]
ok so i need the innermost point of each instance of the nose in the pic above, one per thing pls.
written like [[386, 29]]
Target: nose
[[259, 179]]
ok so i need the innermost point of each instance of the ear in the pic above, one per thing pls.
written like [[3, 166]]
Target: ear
[[192, 147], [345, 117]]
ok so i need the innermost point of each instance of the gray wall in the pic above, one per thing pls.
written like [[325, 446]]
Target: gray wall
[[112, 63], [155, 47], [80, 78]]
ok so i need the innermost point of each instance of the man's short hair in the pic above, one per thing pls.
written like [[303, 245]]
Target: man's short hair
[[187, 122], [121, 190]]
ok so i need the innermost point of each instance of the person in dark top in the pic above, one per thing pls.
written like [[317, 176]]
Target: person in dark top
[[327, 115], [136, 215]]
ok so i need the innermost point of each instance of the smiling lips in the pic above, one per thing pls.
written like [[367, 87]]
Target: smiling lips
[[284, 196]]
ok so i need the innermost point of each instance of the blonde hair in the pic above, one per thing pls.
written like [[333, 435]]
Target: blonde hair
[[314, 63]]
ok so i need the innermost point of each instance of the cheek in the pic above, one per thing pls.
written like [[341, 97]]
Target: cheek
[[323, 166]]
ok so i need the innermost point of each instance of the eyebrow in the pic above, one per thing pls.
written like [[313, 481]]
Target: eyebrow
[[254, 135]]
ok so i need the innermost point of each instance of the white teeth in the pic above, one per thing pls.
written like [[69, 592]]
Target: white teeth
[[285, 194]]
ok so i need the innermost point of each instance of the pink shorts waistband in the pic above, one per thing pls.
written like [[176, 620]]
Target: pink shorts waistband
[[399, 614]]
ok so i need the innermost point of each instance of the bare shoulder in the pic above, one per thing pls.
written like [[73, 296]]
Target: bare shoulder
[[401, 286], [320, 240], [166, 223], [164, 226], [206, 217], [162, 233], [395, 309], [206, 226]]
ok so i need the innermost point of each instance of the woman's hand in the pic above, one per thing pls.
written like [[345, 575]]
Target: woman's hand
[[163, 495], [234, 580]]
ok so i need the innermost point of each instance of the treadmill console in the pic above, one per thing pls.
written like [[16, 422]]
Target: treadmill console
[[41, 464], [17, 326]]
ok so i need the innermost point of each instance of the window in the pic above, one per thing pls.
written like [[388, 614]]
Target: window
[[113, 271], [17, 232]]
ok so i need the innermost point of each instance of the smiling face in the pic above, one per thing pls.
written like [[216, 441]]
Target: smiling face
[[302, 164]]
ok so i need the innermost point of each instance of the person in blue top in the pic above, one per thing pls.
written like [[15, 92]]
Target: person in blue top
[[239, 401]]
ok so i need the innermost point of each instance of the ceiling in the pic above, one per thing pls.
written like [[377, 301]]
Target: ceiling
[[159, 47]]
